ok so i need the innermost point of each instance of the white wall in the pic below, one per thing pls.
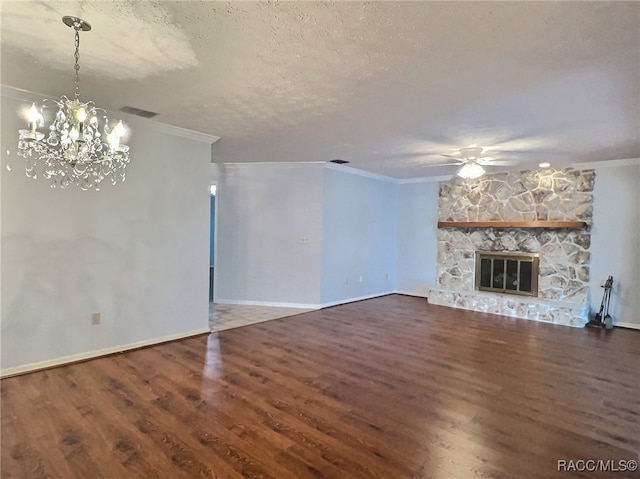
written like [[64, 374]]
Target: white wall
[[269, 238], [137, 252], [359, 235], [417, 214], [615, 241]]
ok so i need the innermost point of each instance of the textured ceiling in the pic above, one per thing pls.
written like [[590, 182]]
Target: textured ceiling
[[387, 86]]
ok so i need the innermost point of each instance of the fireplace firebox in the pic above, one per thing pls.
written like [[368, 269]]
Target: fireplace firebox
[[506, 272]]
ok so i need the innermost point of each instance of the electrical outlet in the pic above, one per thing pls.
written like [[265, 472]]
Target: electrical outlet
[[95, 318], [361, 279], [386, 276]]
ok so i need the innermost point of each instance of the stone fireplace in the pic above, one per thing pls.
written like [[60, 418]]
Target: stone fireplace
[[562, 254]]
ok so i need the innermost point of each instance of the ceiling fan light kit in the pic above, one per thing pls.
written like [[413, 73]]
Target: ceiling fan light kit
[[471, 170]]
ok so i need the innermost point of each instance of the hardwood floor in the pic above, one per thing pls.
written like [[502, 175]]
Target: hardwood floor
[[385, 388]]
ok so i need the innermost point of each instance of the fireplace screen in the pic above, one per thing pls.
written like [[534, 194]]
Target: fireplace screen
[[513, 273]]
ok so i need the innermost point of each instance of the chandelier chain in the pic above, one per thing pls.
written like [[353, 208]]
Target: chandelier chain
[[77, 62]]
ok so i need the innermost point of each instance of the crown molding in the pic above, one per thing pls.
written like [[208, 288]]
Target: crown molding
[[178, 131], [607, 163], [327, 165], [357, 172], [30, 96], [269, 164], [426, 179]]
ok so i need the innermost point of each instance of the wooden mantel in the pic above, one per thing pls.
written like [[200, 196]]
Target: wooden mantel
[[512, 224]]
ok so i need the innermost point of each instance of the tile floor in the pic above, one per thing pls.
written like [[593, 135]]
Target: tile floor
[[228, 316]]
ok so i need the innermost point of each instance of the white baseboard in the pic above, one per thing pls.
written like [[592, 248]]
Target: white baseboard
[[243, 302], [97, 353], [352, 300], [627, 325], [407, 293], [273, 304]]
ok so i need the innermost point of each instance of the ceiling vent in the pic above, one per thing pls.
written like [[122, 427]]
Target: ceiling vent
[[339, 162], [137, 111]]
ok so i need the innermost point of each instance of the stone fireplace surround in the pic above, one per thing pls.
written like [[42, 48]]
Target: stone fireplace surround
[[545, 195]]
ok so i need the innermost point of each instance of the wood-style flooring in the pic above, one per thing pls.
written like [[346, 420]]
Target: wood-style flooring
[[386, 388]]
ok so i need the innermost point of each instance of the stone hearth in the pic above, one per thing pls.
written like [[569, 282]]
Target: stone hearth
[[563, 292]]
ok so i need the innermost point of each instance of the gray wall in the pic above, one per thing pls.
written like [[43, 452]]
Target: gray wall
[[615, 240], [417, 242], [137, 252], [314, 234], [303, 234], [359, 235], [269, 238]]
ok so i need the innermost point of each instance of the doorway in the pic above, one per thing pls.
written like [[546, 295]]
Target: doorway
[[212, 240]]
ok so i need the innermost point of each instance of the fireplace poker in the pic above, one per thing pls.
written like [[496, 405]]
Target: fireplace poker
[[602, 317], [608, 320]]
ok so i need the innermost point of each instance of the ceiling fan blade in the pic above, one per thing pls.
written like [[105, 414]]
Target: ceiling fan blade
[[404, 156], [498, 163], [443, 164], [455, 155]]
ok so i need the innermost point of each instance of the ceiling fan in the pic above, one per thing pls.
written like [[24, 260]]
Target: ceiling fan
[[472, 159]]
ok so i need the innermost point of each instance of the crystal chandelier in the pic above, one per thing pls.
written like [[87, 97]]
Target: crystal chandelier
[[77, 150]]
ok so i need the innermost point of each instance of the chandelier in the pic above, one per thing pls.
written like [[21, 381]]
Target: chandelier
[[80, 147]]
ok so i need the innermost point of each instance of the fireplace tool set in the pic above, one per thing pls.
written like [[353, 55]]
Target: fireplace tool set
[[603, 318]]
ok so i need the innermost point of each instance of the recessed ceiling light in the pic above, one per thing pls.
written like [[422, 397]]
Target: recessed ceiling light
[[544, 164]]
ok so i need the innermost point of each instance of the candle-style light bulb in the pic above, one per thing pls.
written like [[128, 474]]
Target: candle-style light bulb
[[81, 114], [34, 117], [113, 140], [74, 134], [119, 129]]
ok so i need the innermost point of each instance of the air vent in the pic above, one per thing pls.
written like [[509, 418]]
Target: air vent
[[137, 111], [339, 162]]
